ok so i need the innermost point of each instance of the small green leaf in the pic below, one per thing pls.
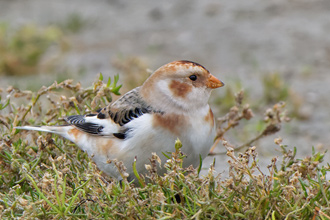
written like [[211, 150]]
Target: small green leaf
[[109, 82], [303, 186], [136, 174], [116, 78], [116, 90], [77, 108], [273, 215], [178, 144], [200, 164], [2, 106], [166, 155], [240, 215]]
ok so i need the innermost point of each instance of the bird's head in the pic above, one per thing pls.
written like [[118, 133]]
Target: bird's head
[[180, 85]]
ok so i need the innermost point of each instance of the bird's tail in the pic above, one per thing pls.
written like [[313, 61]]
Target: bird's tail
[[70, 132], [60, 130]]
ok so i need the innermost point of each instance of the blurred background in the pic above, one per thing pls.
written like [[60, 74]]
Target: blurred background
[[274, 50]]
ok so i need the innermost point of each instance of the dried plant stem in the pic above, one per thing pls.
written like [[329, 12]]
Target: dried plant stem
[[247, 144], [319, 212], [220, 135], [30, 107]]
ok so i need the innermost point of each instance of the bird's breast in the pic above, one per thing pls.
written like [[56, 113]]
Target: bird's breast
[[174, 123]]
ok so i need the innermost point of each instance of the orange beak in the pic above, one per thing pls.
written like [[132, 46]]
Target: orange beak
[[213, 82]]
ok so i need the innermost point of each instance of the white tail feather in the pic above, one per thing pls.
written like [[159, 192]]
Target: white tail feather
[[61, 130]]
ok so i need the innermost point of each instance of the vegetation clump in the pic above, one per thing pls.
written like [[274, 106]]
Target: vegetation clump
[[44, 176], [22, 50]]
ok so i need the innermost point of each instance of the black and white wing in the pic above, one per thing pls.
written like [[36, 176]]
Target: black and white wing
[[111, 120], [128, 107]]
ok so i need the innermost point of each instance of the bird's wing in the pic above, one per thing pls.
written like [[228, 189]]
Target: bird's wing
[[111, 120], [128, 107]]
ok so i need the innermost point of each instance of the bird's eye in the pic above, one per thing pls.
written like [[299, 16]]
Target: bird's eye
[[193, 77]]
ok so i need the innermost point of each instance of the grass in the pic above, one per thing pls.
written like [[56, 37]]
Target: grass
[[43, 176]]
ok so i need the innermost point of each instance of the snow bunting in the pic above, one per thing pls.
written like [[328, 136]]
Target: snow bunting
[[172, 103]]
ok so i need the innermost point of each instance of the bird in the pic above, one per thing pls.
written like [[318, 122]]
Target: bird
[[171, 104]]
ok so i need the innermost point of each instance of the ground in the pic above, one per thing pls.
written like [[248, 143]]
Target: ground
[[235, 40]]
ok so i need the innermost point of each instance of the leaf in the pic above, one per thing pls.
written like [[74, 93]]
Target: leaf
[[200, 164], [109, 82], [2, 106], [136, 174]]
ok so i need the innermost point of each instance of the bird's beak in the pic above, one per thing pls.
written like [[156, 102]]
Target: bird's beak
[[213, 82]]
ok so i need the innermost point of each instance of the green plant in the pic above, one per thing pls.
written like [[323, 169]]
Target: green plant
[[274, 88], [74, 23], [52, 179], [22, 49]]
